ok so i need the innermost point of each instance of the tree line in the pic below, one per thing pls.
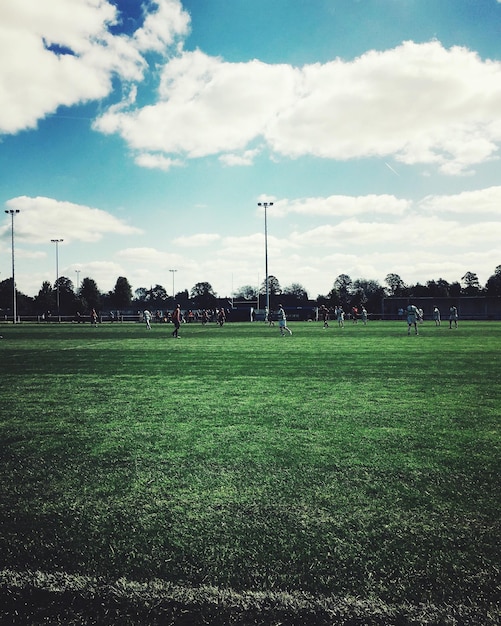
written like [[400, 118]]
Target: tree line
[[344, 292]]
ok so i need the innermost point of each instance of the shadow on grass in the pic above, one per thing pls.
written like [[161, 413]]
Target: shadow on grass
[[39, 598]]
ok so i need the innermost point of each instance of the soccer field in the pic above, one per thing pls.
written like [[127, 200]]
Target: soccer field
[[344, 476]]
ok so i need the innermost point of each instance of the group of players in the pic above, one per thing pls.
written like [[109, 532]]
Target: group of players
[[414, 316]]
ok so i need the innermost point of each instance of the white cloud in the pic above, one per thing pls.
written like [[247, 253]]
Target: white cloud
[[244, 159], [421, 103], [154, 259], [350, 232], [57, 52], [205, 106], [156, 161], [468, 202], [147, 256], [420, 232], [42, 219], [105, 273], [163, 27], [339, 205], [197, 241]]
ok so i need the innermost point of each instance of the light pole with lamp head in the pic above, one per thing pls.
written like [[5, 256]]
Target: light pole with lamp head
[[57, 242], [266, 205], [78, 280], [173, 292], [13, 212]]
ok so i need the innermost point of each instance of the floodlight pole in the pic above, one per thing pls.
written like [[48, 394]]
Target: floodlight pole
[[13, 212], [78, 280], [57, 242], [173, 292], [267, 282]]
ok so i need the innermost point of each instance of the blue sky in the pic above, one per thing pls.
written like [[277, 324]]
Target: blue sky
[[144, 135]]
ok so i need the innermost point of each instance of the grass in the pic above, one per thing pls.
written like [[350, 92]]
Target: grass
[[235, 476]]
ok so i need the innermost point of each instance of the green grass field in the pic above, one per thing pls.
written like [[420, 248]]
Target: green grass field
[[233, 476]]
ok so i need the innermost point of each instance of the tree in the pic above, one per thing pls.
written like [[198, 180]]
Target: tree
[[159, 295], [46, 298], [141, 294], [182, 298], [6, 294], [121, 296], [369, 293], [493, 285], [247, 292], [321, 299], [438, 289], [89, 294], [295, 293], [204, 296], [66, 294], [471, 284], [396, 285], [24, 304], [343, 287], [274, 288], [419, 291]]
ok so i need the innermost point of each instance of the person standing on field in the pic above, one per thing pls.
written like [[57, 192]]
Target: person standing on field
[[453, 317], [412, 318], [282, 321], [364, 315], [324, 312], [436, 315], [340, 316], [176, 320], [147, 318]]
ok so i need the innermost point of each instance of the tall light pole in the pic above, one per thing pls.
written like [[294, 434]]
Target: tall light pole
[[57, 242], [266, 205], [13, 212], [173, 292], [78, 280]]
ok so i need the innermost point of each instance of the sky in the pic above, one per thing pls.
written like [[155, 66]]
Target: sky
[[144, 135]]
